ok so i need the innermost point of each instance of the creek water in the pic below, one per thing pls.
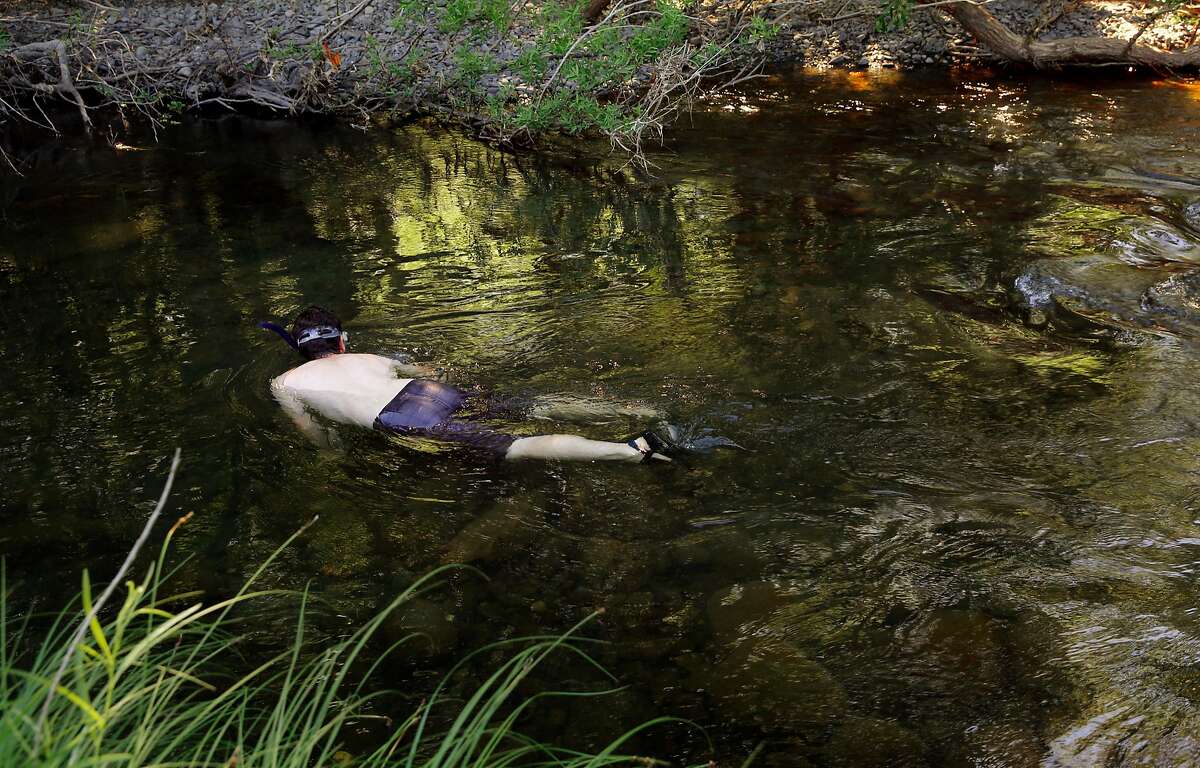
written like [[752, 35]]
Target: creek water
[[952, 319]]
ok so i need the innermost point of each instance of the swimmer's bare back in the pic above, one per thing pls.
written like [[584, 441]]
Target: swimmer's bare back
[[358, 389]]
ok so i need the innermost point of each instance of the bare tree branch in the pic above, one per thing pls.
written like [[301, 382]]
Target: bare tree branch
[[65, 85]]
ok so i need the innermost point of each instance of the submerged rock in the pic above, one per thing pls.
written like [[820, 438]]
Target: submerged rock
[[727, 549], [773, 685], [863, 742], [1177, 297], [433, 628], [616, 566], [1004, 744], [502, 530], [1114, 269], [737, 610], [632, 611], [341, 544], [1154, 243], [1108, 292], [1191, 215], [793, 753]]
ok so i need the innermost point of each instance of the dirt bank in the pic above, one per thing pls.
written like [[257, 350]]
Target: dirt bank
[[508, 69]]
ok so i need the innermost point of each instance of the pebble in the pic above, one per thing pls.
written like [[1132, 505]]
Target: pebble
[[185, 71], [141, 52]]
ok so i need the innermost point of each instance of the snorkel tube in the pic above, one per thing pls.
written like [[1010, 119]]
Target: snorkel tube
[[283, 334]]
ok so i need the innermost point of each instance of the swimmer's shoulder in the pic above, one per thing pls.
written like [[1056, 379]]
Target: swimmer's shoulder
[[360, 364], [334, 367]]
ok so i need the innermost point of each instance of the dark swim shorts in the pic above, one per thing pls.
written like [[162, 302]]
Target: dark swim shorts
[[426, 408]]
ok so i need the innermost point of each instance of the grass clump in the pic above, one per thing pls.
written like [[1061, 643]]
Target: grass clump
[[894, 15], [457, 14], [472, 65], [148, 685]]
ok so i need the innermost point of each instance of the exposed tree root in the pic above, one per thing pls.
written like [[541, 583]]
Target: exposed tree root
[[65, 85]]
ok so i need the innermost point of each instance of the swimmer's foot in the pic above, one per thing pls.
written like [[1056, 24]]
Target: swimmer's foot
[[651, 446], [694, 438]]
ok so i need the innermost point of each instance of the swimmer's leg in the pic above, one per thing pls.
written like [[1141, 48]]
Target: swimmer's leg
[[588, 410], [575, 448]]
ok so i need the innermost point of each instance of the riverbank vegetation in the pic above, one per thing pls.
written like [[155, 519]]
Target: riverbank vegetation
[[167, 680], [511, 70]]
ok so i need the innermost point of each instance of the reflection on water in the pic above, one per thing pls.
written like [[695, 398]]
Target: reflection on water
[[952, 320]]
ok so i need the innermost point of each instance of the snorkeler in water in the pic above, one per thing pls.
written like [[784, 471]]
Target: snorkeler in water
[[391, 396]]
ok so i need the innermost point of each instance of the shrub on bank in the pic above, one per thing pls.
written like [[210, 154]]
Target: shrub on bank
[[512, 72]]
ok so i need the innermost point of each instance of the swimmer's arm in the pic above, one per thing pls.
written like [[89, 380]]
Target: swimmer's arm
[[303, 420]]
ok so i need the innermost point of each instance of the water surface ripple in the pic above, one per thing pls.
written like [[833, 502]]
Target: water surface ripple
[[953, 319]]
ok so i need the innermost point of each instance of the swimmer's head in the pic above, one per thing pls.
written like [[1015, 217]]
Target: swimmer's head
[[318, 333]]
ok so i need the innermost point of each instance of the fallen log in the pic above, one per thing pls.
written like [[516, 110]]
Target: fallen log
[[994, 35], [595, 11]]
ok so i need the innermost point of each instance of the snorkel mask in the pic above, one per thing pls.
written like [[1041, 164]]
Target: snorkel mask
[[307, 335], [320, 332]]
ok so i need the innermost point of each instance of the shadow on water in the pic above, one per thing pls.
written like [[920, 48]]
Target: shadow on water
[[953, 320]]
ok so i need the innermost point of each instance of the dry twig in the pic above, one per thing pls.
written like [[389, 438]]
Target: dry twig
[[69, 652]]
